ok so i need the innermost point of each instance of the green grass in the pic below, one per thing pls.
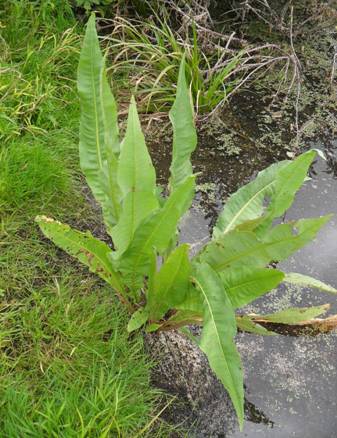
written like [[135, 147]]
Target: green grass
[[39, 44], [149, 53], [31, 175], [67, 367]]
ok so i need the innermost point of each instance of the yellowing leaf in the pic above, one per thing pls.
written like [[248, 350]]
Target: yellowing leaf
[[295, 315], [90, 251]]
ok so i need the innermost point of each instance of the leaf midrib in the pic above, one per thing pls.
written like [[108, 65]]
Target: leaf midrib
[[217, 335], [261, 276], [92, 51], [221, 266], [238, 214], [83, 247]]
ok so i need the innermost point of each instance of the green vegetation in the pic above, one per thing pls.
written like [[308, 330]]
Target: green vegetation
[[89, 4], [230, 271], [39, 49], [67, 366], [31, 174], [156, 55]]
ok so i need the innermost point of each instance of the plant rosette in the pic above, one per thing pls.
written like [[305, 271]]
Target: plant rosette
[[151, 273]]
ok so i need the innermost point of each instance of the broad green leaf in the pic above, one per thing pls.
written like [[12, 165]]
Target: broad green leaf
[[294, 315], [135, 170], [184, 133], [90, 251], [193, 301], [98, 126], [248, 203], [306, 281], [137, 180], [288, 181], [217, 338], [245, 324], [155, 232], [112, 147], [170, 283], [277, 185], [244, 285], [138, 319], [110, 114], [250, 225], [238, 248], [152, 272], [136, 207]]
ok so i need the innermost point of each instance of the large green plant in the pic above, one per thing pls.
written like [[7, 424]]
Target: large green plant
[[152, 274]]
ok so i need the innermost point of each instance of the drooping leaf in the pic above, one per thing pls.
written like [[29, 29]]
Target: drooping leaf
[[137, 180], [184, 133], [90, 251], [219, 329], [138, 319], [294, 315], [170, 283], [307, 281], [238, 248], [246, 324], [98, 123], [155, 232], [244, 285], [247, 204]]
